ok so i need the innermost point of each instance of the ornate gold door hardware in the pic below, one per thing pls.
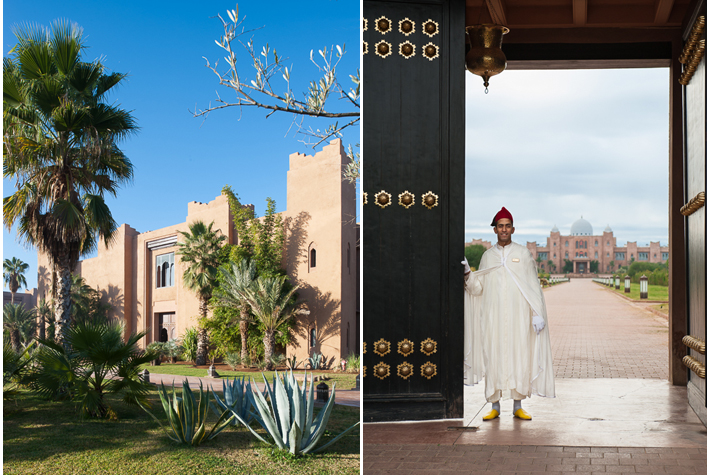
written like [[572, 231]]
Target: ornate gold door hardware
[[694, 343], [430, 200], [405, 347], [383, 199], [406, 199], [429, 370], [382, 347], [695, 366], [692, 51], [428, 347], [405, 370], [382, 370], [697, 202]]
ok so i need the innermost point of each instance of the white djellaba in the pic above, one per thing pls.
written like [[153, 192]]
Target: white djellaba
[[500, 343]]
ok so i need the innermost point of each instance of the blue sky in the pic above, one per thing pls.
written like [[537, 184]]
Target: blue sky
[[179, 158]]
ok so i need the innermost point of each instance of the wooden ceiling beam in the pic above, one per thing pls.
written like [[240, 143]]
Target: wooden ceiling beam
[[579, 12], [663, 11], [497, 11]]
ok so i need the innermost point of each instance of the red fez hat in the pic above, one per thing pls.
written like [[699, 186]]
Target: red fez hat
[[503, 213]]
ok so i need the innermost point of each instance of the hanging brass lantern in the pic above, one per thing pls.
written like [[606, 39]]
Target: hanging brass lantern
[[485, 58]]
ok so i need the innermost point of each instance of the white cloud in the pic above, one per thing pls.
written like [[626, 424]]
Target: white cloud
[[554, 145]]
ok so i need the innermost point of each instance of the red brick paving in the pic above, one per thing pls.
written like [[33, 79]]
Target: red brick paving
[[594, 334], [524, 460]]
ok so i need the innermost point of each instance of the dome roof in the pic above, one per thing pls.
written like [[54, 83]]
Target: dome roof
[[581, 227], [608, 229], [554, 229]]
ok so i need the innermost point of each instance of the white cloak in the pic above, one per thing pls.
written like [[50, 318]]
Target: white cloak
[[500, 343]]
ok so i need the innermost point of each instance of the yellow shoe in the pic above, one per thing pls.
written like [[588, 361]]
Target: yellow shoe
[[521, 414], [491, 415]]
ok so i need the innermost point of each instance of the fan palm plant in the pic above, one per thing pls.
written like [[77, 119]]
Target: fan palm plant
[[235, 279], [200, 251], [20, 324], [97, 362], [61, 147], [13, 274], [272, 303]]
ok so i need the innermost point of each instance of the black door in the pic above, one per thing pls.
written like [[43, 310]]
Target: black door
[[413, 220]]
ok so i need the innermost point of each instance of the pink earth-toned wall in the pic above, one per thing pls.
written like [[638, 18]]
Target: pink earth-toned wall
[[320, 215]]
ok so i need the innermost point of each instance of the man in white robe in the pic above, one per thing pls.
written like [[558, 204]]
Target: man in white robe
[[506, 335]]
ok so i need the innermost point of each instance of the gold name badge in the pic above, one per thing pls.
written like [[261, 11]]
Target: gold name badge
[[515, 259]]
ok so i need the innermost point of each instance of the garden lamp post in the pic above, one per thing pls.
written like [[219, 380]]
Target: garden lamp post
[[627, 284], [616, 284], [644, 287]]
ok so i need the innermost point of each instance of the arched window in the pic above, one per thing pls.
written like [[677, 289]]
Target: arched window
[[313, 258], [596, 255], [554, 255], [566, 243], [165, 270], [566, 254], [596, 243], [312, 342]]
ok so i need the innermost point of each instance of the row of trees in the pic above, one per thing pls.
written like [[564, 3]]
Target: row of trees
[[244, 284]]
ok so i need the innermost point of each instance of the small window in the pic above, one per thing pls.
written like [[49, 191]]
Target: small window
[[566, 254], [313, 258], [313, 338], [643, 256], [596, 243], [165, 270], [554, 255], [596, 255], [554, 244], [566, 243], [664, 256]]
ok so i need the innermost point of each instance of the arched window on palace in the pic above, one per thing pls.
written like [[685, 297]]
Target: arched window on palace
[[165, 270], [566, 243], [596, 255], [596, 243], [312, 342], [311, 256], [566, 254]]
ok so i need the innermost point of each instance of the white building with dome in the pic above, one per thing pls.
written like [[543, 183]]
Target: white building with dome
[[583, 248]]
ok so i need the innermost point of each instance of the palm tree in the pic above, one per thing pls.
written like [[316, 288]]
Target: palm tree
[[20, 323], [200, 251], [539, 261], [60, 145], [272, 304], [46, 319], [96, 361], [13, 274], [234, 282]]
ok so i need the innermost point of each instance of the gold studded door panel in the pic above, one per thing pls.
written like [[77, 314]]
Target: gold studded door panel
[[695, 110], [413, 178]]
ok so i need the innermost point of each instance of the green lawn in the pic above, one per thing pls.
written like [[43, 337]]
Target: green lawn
[[42, 437], [655, 292], [342, 380]]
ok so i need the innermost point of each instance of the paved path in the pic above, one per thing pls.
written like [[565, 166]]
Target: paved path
[[345, 397], [615, 412], [596, 334]]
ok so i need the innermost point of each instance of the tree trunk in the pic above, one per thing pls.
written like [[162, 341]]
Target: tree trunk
[[41, 327], [268, 348], [202, 340], [243, 331], [201, 358], [62, 303], [15, 340]]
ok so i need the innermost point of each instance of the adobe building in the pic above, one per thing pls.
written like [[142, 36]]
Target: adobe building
[[141, 275], [582, 246]]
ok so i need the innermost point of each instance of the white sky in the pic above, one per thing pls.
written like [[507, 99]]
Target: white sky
[[552, 146]]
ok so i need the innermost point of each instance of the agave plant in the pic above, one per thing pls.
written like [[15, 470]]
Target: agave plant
[[315, 360], [288, 416], [188, 417], [292, 362], [236, 400]]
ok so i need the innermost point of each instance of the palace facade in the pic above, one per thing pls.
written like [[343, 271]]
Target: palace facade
[[140, 275], [582, 246]]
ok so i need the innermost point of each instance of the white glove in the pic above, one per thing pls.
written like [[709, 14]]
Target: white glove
[[466, 267], [538, 323]]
